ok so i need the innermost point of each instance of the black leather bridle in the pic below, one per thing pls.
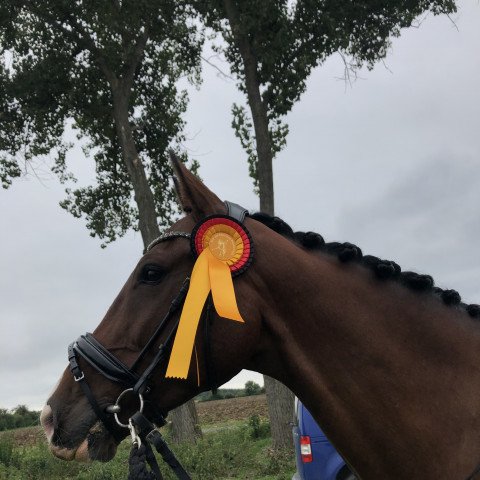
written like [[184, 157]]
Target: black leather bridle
[[108, 365], [104, 362]]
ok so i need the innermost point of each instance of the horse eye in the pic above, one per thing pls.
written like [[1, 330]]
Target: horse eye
[[151, 274]]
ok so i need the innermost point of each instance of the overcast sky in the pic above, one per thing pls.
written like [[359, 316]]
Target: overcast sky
[[391, 164]]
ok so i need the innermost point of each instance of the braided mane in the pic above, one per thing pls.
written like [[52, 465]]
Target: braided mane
[[383, 269]]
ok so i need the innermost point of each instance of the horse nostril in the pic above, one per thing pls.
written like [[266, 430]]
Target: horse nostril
[[46, 420]]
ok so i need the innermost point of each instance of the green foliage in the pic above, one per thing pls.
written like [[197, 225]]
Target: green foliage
[[77, 64], [36, 462], [18, 417], [242, 125], [288, 40], [259, 428], [8, 456], [229, 452], [252, 388]]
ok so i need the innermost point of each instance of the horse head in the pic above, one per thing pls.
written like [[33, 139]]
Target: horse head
[[139, 315]]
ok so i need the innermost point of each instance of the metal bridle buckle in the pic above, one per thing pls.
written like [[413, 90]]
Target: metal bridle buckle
[[116, 409], [136, 440]]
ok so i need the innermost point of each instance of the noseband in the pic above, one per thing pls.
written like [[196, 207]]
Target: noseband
[[108, 365]]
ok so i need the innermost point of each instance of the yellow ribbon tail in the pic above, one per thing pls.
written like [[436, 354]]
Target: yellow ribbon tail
[[223, 292], [181, 355], [209, 273]]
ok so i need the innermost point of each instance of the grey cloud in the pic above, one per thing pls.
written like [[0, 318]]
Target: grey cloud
[[428, 220]]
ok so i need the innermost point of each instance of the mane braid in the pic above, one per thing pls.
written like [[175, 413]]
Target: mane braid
[[383, 269]]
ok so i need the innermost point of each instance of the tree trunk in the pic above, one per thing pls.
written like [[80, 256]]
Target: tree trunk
[[280, 401], [147, 215], [184, 418], [257, 108], [279, 398], [185, 427]]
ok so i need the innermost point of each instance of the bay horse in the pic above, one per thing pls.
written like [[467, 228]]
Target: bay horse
[[388, 364]]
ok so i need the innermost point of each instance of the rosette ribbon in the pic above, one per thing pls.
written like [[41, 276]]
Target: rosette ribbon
[[211, 273]]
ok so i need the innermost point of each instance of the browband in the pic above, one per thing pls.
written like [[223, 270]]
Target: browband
[[166, 236], [233, 210]]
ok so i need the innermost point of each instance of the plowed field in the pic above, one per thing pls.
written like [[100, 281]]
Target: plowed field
[[239, 408]]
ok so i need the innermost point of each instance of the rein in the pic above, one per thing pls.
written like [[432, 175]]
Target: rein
[[143, 431], [474, 474]]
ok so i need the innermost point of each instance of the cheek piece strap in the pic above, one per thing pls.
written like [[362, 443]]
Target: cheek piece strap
[[143, 431]]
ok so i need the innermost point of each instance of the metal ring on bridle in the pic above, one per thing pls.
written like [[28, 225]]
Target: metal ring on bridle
[[117, 404]]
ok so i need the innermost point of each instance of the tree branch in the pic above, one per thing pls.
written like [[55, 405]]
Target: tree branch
[[350, 71], [131, 63], [117, 5], [219, 70], [453, 22]]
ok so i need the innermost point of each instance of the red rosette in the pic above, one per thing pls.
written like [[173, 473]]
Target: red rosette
[[238, 238]]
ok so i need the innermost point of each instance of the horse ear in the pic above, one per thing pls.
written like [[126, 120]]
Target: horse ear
[[195, 198]]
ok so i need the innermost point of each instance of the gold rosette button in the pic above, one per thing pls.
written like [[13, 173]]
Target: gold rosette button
[[222, 246]]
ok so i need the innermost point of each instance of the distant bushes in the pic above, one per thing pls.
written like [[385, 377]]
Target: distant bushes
[[18, 417], [251, 388], [220, 394]]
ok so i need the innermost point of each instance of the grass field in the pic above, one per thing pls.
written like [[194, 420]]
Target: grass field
[[238, 447]]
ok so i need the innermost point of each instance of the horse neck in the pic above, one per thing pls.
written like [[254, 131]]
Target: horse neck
[[391, 375]]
